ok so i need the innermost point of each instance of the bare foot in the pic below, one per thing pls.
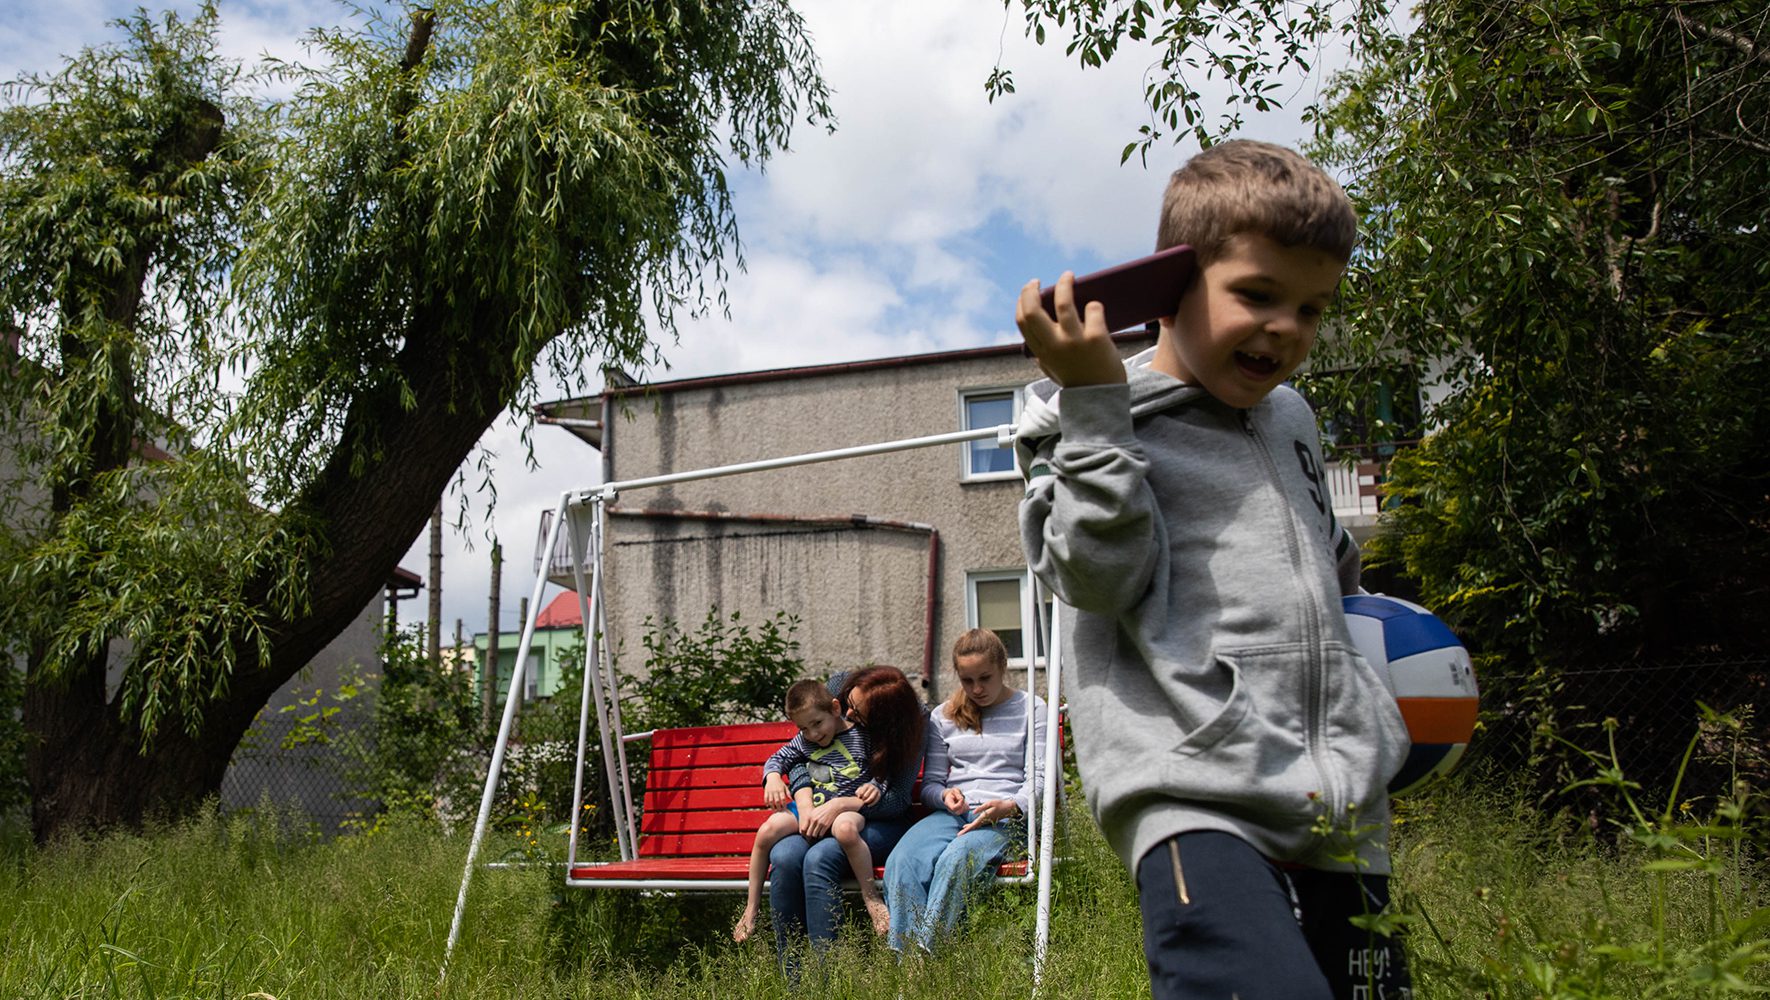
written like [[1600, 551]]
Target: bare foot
[[745, 925], [881, 916]]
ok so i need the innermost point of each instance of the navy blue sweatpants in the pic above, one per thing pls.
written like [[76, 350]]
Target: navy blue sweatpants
[[1222, 921]]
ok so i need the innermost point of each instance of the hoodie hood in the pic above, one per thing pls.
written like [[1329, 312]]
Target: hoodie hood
[[1150, 391]]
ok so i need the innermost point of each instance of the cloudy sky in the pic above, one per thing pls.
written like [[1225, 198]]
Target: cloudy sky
[[907, 230]]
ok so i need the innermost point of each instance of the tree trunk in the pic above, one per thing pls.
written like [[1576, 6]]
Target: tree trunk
[[83, 761], [87, 770]]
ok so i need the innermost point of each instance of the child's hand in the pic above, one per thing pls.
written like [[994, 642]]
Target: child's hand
[[774, 792], [868, 794], [1072, 349], [954, 800]]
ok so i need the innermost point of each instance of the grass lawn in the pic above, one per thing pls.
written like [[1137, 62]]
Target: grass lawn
[[1503, 902]]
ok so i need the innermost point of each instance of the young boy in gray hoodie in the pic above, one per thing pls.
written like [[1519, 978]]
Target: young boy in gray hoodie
[[1233, 745]]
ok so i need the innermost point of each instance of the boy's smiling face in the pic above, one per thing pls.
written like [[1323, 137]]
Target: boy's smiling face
[[819, 724], [1249, 319]]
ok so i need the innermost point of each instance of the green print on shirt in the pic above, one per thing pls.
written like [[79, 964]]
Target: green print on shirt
[[825, 773]]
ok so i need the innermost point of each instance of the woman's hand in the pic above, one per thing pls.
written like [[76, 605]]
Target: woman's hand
[[954, 800], [774, 792], [868, 794], [816, 822], [990, 812]]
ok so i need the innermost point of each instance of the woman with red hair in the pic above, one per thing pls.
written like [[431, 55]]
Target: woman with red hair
[[805, 884]]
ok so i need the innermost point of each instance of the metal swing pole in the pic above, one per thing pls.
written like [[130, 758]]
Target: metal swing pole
[[1029, 649], [498, 748], [589, 606], [1003, 433], [576, 817], [1052, 770], [599, 526]]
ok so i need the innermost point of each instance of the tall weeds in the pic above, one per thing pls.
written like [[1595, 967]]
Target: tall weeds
[[1503, 900], [1667, 902]]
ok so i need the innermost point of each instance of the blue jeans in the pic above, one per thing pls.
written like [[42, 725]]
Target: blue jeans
[[934, 869], [805, 883]]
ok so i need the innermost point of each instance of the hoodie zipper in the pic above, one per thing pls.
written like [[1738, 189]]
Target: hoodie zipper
[[1315, 689]]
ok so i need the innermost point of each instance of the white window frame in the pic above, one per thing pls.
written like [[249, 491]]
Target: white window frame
[[1028, 634], [965, 397]]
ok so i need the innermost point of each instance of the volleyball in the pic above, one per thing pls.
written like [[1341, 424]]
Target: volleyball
[[1429, 673]]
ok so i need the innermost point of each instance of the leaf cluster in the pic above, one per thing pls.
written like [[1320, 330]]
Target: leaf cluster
[[162, 557], [425, 727], [1249, 50], [724, 670], [546, 175], [121, 180]]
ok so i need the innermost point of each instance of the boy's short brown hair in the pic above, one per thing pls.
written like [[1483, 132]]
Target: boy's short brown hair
[[804, 694], [1244, 186]]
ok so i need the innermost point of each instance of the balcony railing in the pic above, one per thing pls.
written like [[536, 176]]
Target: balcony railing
[[1355, 477], [1356, 487]]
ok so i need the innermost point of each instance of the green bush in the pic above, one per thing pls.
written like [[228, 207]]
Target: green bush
[[723, 671], [423, 755]]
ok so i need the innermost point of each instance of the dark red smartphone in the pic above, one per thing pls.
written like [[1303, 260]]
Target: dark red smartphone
[[1133, 293]]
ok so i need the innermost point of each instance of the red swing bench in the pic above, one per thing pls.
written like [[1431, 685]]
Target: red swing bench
[[702, 805]]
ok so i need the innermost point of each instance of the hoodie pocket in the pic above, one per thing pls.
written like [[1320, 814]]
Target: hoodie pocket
[[1223, 721], [1369, 738]]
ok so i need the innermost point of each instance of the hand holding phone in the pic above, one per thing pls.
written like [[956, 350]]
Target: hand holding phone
[[1133, 293]]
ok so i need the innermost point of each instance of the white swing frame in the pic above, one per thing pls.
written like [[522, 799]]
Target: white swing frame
[[583, 514]]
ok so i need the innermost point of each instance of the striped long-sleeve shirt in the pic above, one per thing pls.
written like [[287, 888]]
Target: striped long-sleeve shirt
[[985, 765], [836, 770]]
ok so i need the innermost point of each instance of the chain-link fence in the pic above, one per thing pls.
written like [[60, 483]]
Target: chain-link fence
[[298, 768], [1533, 728]]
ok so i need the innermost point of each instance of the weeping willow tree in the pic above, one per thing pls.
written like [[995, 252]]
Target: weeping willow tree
[[249, 344]]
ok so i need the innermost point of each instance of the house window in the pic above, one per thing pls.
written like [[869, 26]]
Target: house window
[[992, 601], [984, 460]]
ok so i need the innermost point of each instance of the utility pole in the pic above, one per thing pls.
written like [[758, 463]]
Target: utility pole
[[436, 539], [534, 668], [456, 657], [488, 686]]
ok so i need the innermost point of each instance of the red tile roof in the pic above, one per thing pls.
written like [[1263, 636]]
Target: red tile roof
[[561, 612]]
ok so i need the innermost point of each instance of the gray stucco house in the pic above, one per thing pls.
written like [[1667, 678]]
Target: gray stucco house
[[884, 559]]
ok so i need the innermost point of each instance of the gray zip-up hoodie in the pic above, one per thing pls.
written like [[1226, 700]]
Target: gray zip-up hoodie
[[1215, 685]]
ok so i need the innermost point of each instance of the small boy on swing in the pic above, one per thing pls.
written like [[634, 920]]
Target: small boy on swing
[[835, 752], [1234, 746]]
